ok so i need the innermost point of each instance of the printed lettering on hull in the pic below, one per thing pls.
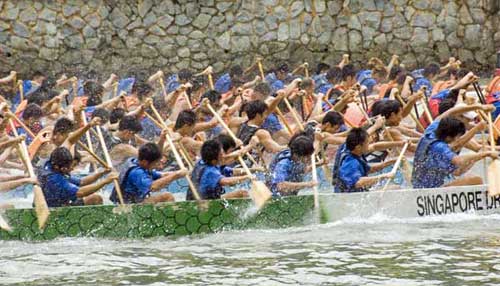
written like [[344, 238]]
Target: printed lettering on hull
[[440, 204]]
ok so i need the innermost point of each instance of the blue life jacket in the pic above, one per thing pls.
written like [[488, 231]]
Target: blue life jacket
[[196, 176], [127, 167], [340, 156], [297, 172]]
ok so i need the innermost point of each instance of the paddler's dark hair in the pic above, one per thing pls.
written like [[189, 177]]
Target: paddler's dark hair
[[210, 151], [355, 137], [32, 111], [389, 107], [116, 115], [101, 113], [348, 70], [449, 127], [431, 69], [130, 123], [255, 107], [212, 95], [149, 152], [301, 145], [226, 141], [63, 125], [185, 117], [334, 118], [263, 88], [446, 104], [61, 157]]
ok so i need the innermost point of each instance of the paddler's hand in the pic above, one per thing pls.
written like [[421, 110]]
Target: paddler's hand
[[111, 177], [483, 125], [20, 138], [239, 143], [254, 141], [408, 79], [488, 108], [148, 102], [182, 173], [32, 180], [296, 82], [95, 121], [312, 184], [492, 154], [379, 122], [113, 77]]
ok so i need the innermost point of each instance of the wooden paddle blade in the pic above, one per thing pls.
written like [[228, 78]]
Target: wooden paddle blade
[[4, 225], [41, 208], [260, 193], [493, 179]]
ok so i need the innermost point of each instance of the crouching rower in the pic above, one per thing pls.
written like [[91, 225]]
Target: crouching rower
[[139, 178], [210, 178], [60, 188], [436, 164], [350, 171]]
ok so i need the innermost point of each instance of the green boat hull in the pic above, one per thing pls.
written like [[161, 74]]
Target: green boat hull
[[170, 219]]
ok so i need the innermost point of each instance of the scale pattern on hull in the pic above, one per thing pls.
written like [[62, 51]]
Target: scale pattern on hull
[[171, 219]]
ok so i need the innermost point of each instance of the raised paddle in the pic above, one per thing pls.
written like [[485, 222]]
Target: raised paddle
[[494, 168], [259, 193], [315, 179], [116, 183], [41, 208], [396, 165], [261, 69], [87, 137]]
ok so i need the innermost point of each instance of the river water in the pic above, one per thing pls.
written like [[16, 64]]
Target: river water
[[459, 249]]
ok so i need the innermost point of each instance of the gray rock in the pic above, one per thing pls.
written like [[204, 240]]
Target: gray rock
[[118, 18], [402, 33], [281, 13], [240, 44], [334, 7], [4, 26], [420, 37], [11, 14], [260, 27], [88, 32], [354, 23], [380, 40], [28, 15], [270, 2], [69, 10], [478, 15], [182, 20], [398, 47], [21, 30], [149, 20], [47, 14], [181, 40], [202, 21], [450, 24], [200, 56], [355, 41], [209, 11], [270, 36], [320, 6], [242, 29], [103, 11], [339, 39], [157, 30], [144, 6], [437, 35], [464, 15], [38, 6], [443, 51], [184, 64], [173, 30], [197, 35], [132, 42], [297, 8], [50, 42], [316, 28], [465, 56], [20, 43], [473, 36], [389, 10], [421, 4], [93, 20], [304, 39], [223, 6], [76, 22], [295, 29], [84, 11], [453, 41], [192, 9], [151, 39], [283, 32], [149, 52], [386, 25], [135, 24], [371, 19], [165, 21], [48, 54], [272, 22], [50, 28], [244, 16], [399, 21], [409, 61], [325, 38], [423, 19], [74, 41], [368, 5], [437, 6], [167, 51]]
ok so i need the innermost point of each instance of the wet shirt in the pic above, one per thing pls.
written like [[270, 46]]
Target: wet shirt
[[149, 129], [223, 83], [207, 180], [420, 81], [172, 83], [433, 163], [59, 189], [137, 183], [284, 169], [272, 123], [364, 77], [351, 169]]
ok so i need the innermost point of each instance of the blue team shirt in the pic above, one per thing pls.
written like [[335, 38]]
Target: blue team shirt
[[272, 124], [208, 183], [172, 83], [223, 83], [364, 77], [420, 81], [59, 189], [138, 182], [149, 129], [284, 169], [274, 82], [433, 163], [351, 169]]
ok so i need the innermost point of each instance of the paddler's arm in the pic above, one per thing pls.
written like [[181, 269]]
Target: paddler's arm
[[333, 139], [287, 187], [244, 149], [14, 183], [409, 132], [364, 182], [112, 103], [267, 141], [384, 145], [460, 143], [139, 140], [317, 112], [465, 162], [377, 167], [109, 82], [8, 78], [230, 181], [92, 177], [139, 112], [411, 102], [395, 135], [466, 80], [203, 126], [405, 91], [192, 144], [166, 178], [92, 188], [12, 141], [76, 135], [461, 109]]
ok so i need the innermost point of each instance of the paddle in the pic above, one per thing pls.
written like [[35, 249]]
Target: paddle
[[21, 90], [87, 137], [396, 165], [315, 179], [41, 208], [4, 225], [494, 168], [176, 154], [116, 183], [261, 69], [259, 193]]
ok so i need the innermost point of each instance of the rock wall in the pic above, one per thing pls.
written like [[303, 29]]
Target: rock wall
[[119, 36]]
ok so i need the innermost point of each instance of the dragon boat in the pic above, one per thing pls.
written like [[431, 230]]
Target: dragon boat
[[193, 218]]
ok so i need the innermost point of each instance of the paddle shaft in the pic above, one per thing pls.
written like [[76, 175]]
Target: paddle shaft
[[294, 114], [87, 136], [415, 119], [396, 165], [315, 179], [109, 163]]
